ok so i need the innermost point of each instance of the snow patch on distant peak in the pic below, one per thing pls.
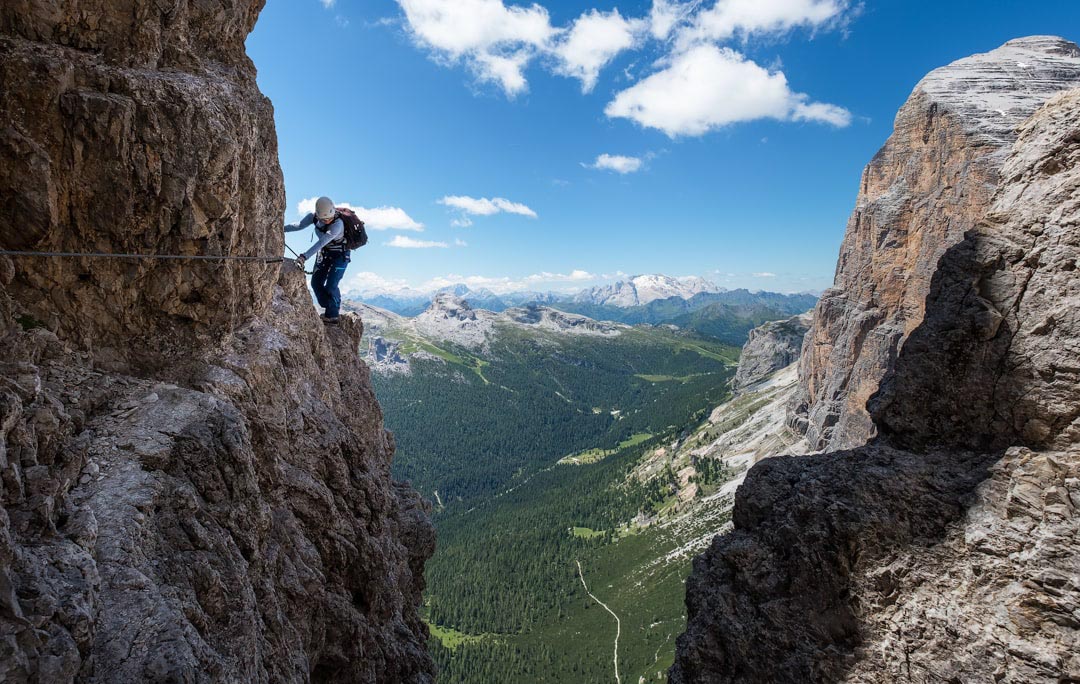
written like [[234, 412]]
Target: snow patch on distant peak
[[653, 287], [642, 289]]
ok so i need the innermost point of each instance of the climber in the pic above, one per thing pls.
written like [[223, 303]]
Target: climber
[[333, 256]]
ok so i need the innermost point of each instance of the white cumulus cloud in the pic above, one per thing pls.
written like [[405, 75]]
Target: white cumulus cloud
[[708, 87], [820, 112], [368, 281], [727, 18], [497, 285], [577, 275], [503, 284], [594, 39], [701, 85], [617, 163], [506, 71], [410, 243], [496, 41], [375, 218], [665, 15], [482, 206], [764, 274], [463, 26]]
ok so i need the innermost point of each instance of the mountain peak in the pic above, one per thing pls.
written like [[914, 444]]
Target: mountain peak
[[450, 317], [457, 289], [992, 92], [645, 288], [450, 304]]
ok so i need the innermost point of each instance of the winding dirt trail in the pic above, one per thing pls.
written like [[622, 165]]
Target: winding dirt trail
[[618, 623]]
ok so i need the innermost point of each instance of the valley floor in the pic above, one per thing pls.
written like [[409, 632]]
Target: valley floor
[[629, 523]]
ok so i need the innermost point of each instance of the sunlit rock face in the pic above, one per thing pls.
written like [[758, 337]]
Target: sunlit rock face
[[769, 348], [137, 127], [194, 474], [923, 190], [946, 549]]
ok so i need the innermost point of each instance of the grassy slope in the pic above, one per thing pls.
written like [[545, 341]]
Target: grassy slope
[[638, 572]]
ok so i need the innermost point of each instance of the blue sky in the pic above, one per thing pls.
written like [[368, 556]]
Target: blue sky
[[471, 132]]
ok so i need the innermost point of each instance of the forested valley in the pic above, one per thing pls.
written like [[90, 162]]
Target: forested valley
[[527, 449]]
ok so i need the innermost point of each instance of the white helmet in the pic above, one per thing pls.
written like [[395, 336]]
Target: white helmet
[[324, 209]]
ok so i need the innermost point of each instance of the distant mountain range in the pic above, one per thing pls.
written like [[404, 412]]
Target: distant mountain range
[[638, 290], [643, 289], [414, 302], [690, 303]]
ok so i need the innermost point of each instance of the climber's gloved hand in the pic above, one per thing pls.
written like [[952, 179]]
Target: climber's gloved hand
[[300, 262]]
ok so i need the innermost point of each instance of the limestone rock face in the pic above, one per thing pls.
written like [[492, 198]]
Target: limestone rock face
[[922, 191], [946, 549], [769, 602], [770, 347], [194, 473], [999, 351], [235, 524], [137, 127], [996, 599]]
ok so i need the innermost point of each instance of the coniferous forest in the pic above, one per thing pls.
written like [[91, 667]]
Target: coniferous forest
[[527, 450]]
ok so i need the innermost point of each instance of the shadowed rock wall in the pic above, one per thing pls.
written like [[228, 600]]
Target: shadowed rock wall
[[194, 474], [995, 361]]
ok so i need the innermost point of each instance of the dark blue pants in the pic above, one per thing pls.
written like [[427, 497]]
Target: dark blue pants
[[329, 270]]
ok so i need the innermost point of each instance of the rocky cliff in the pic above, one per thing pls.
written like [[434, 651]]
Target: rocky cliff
[[137, 127], [769, 348], [922, 191], [195, 475], [946, 550]]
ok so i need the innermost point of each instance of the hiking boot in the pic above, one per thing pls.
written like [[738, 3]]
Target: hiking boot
[[329, 320]]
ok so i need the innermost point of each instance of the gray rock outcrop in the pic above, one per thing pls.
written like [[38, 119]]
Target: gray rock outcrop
[[769, 348], [560, 321], [920, 194], [194, 474], [946, 549]]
